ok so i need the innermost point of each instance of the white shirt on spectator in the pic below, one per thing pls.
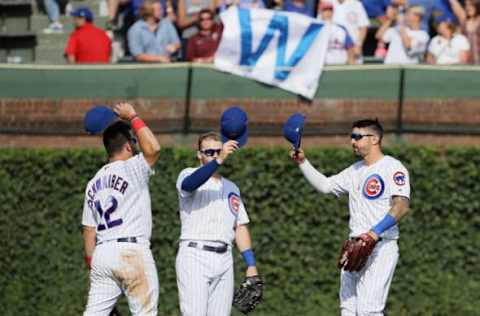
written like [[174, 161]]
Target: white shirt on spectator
[[398, 54], [339, 42], [352, 15], [448, 51]]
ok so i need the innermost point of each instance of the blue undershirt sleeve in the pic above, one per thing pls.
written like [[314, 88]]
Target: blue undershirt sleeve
[[200, 176]]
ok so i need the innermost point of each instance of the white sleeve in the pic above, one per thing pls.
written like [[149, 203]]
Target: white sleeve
[[419, 43], [139, 169], [433, 47], [88, 218], [387, 36], [362, 15], [399, 181], [183, 174], [242, 214], [337, 184], [463, 43]]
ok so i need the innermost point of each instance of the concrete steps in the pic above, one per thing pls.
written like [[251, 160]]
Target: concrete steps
[[50, 47]]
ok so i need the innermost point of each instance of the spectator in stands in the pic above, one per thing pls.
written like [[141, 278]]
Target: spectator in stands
[[448, 47], [428, 7], [340, 49], [469, 18], [351, 14], [53, 11], [248, 4], [120, 5], [153, 38], [87, 44], [203, 45], [408, 41], [130, 10], [401, 5], [188, 13], [298, 6]]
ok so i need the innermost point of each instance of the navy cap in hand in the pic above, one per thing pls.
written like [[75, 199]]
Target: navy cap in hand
[[234, 125], [98, 118], [293, 129]]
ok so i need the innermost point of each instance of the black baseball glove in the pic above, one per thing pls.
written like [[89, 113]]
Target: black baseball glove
[[115, 312], [249, 294]]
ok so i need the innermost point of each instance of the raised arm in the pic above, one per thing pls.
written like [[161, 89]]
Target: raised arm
[[316, 179], [459, 11], [146, 139], [202, 174]]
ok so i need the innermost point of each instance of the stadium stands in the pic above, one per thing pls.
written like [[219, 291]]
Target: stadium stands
[[17, 40]]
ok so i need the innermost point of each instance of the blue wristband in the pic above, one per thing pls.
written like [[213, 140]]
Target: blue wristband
[[249, 257], [387, 222]]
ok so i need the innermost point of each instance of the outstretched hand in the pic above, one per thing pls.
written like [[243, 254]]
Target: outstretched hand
[[297, 155]]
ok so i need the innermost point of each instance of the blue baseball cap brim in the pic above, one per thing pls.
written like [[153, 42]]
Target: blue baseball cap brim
[[98, 118], [293, 129]]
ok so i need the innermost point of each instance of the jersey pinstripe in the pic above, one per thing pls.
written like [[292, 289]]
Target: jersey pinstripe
[[117, 200], [212, 211], [370, 190]]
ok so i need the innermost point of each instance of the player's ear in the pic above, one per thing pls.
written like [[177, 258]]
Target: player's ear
[[376, 139], [199, 155], [128, 147]]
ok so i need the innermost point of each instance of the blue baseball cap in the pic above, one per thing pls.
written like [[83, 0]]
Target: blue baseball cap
[[234, 125], [83, 12], [98, 118], [293, 129]]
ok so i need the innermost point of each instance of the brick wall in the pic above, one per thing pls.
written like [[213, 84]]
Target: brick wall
[[59, 123]]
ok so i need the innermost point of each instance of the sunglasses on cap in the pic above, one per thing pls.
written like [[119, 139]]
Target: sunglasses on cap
[[357, 136], [211, 152]]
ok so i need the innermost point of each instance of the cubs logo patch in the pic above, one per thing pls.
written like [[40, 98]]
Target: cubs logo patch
[[373, 187], [399, 178], [234, 203]]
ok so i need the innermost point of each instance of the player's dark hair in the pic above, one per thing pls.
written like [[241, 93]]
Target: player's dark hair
[[209, 135], [374, 125], [115, 136]]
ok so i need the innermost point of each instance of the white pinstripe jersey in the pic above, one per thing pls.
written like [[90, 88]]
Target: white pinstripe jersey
[[117, 200], [370, 190], [211, 212]]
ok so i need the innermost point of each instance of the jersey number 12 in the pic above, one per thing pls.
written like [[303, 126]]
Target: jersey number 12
[[109, 223]]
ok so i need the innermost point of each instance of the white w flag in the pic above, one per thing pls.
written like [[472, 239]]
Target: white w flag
[[278, 48]]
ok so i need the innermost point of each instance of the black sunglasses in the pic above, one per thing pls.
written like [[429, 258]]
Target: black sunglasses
[[357, 136], [211, 152]]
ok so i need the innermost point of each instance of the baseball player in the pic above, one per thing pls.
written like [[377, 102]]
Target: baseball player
[[117, 220], [212, 215], [379, 191]]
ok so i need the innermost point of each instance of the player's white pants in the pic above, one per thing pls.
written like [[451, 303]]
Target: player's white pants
[[122, 267], [205, 281], [364, 293]]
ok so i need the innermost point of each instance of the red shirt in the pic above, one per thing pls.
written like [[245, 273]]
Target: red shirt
[[202, 46], [89, 45]]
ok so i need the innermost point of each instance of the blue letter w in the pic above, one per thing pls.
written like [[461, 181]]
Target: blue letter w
[[277, 23]]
